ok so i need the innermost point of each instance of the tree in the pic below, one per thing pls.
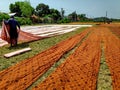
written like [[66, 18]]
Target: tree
[[23, 9], [55, 14], [82, 17], [26, 9], [73, 16], [42, 10], [15, 8], [3, 16]]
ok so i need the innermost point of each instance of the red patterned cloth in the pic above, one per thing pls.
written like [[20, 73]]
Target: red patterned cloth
[[5, 32]]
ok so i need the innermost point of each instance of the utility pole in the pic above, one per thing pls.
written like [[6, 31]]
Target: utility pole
[[106, 14], [62, 12], [105, 19]]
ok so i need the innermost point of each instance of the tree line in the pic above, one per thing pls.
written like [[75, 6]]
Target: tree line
[[26, 14]]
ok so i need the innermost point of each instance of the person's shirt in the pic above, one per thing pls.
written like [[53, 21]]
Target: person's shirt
[[13, 23]]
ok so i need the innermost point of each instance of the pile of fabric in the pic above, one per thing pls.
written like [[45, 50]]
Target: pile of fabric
[[23, 36], [5, 32]]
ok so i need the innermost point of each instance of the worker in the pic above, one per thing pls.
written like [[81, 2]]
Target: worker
[[14, 29]]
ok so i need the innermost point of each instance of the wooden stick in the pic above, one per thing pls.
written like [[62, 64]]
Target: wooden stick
[[16, 52]]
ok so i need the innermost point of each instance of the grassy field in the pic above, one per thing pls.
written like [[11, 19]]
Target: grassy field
[[37, 47], [104, 81]]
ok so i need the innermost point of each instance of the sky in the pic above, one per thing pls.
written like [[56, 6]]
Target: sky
[[92, 8]]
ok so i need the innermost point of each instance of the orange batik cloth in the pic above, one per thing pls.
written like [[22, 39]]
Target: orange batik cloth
[[5, 32]]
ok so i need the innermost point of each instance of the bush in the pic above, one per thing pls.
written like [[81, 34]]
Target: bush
[[3, 16], [47, 20], [64, 20], [36, 20], [23, 21]]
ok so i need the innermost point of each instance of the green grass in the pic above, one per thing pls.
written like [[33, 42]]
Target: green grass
[[37, 47], [104, 77]]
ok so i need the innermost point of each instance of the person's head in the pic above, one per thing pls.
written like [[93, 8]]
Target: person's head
[[12, 17]]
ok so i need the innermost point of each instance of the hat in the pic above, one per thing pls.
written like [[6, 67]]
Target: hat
[[11, 14]]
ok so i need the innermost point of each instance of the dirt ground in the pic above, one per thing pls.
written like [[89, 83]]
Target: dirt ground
[[80, 69]]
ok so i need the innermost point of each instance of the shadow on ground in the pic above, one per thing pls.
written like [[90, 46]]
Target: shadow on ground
[[19, 46]]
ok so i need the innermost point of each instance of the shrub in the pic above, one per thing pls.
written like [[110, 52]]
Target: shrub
[[3, 16], [35, 19], [64, 20], [23, 21]]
